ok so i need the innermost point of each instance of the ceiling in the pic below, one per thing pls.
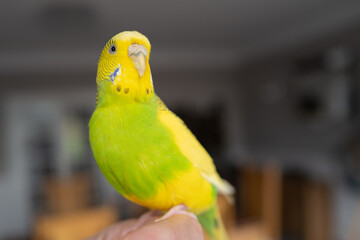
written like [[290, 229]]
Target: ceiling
[[68, 35]]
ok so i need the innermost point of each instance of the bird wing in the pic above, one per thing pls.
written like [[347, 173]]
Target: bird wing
[[191, 148]]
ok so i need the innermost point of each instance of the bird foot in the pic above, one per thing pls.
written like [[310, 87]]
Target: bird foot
[[178, 209]]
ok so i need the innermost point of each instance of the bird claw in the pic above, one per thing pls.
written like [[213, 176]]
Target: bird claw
[[179, 209]]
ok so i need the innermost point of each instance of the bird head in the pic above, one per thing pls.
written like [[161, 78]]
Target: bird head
[[123, 68]]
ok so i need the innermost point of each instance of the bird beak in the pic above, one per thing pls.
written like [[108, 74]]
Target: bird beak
[[138, 54]]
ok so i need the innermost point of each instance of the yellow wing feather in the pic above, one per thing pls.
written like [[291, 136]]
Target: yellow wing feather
[[192, 149]]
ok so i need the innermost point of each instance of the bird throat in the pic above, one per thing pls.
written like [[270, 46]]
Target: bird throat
[[124, 88]]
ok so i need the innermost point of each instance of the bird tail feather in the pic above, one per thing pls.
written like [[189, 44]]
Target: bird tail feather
[[212, 224]]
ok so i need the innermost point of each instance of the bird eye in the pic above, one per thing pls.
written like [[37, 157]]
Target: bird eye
[[112, 49]]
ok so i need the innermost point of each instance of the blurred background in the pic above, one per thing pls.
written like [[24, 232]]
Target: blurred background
[[270, 88]]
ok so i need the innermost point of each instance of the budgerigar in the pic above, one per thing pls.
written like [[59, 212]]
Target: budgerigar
[[143, 149]]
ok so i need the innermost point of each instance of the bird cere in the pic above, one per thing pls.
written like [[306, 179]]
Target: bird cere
[[143, 149]]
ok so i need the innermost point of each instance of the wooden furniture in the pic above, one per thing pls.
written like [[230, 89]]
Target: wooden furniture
[[75, 225], [260, 203], [67, 194]]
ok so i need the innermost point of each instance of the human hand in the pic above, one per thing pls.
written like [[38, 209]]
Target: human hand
[[174, 227]]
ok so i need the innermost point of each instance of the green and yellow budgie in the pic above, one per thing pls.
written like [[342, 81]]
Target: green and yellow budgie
[[144, 150]]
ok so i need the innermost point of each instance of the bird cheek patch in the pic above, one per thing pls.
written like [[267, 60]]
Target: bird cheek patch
[[117, 72]]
